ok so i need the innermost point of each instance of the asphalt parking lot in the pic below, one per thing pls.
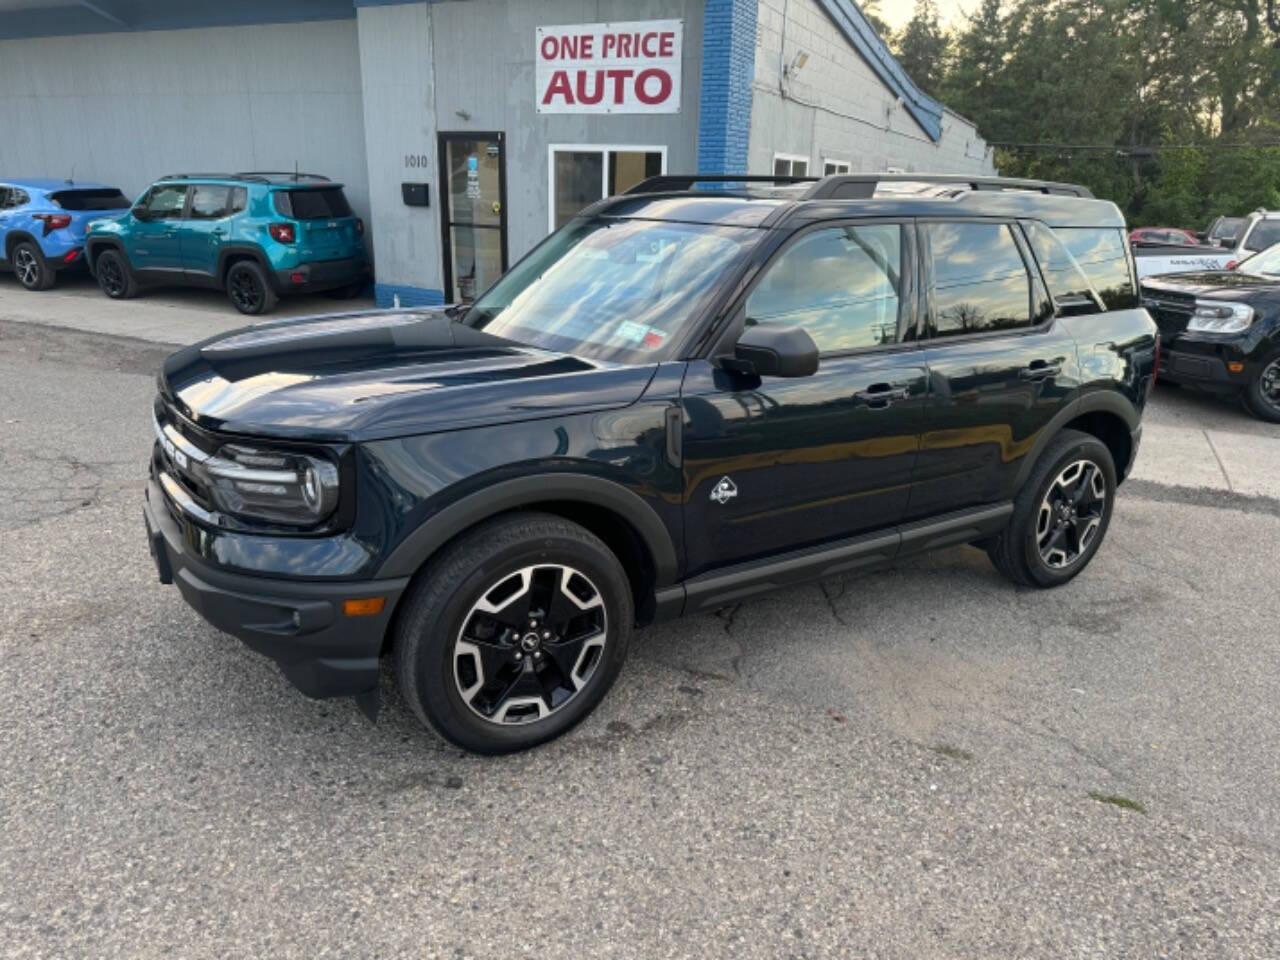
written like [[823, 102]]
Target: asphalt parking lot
[[919, 762]]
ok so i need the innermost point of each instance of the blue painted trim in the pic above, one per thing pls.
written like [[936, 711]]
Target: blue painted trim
[[858, 31], [114, 16], [728, 67], [384, 295]]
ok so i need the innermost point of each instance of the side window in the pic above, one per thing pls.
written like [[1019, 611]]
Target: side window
[[1264, 234], [1067, 283], [4, 197], [842, 284], [239, 200], [209, 202], [979, 277], [1103, 256], [166, 202], [19, 198]]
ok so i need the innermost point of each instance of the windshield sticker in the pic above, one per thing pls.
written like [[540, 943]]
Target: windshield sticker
[[631, 331], [653, 339]]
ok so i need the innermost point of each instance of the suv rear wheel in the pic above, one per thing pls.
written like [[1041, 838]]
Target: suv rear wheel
[[514, 633], [30, 267], [1061, 515], [248, 288]]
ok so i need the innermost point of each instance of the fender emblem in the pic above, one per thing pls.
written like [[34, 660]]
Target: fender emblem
[[724, 491]]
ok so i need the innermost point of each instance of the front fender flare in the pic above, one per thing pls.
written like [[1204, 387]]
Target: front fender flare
[[457, 517]]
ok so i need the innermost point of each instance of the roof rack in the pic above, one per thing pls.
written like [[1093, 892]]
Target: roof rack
[[198, 176], [287, 174], [861, 186], [257, 176]]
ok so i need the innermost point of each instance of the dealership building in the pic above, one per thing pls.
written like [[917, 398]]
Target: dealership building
[[464, 130]]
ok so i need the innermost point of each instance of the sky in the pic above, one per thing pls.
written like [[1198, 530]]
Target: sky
[[898, 12]]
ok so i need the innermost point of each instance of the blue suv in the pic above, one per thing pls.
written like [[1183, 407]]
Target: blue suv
[[43, 223], [257, 236]]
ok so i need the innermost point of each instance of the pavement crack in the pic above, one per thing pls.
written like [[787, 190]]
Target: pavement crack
[[831, 601]]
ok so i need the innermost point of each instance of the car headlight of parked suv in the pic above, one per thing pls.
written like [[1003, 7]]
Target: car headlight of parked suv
[[255, 482], [1211, 316]]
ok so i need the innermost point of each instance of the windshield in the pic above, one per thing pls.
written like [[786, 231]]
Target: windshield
[[1264, 264], [616, 290], [1226, 227]]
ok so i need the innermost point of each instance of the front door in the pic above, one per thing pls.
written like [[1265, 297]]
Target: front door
[[473, 201], [1000, 366], [153, 240], [775, 463]]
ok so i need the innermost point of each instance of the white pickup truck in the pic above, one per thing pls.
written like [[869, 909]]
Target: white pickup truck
[[1261, 230]]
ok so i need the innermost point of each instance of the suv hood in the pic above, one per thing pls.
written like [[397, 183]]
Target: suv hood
[[375, 375], [1212, 284]]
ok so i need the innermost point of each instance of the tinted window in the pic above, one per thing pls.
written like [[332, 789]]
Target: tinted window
[[1102, 255], [90, 199], [166, 202], [15, 197], [1061, 272], [842, 285], [980, 280], [1263, 235], [326, 203], [208, 202]]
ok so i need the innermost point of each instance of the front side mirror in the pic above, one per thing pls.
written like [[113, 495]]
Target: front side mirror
[[140, 213], [774, 350]]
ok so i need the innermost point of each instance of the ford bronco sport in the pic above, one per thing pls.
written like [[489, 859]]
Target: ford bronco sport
[[690, 394]]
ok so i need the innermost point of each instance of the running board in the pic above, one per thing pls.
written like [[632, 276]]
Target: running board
[[710, 591]]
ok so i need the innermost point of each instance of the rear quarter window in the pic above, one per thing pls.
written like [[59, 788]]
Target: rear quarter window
[[90, 199], [324, 203], [1102, 254]]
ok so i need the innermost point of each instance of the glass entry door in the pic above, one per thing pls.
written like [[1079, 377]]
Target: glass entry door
[[473, 198]]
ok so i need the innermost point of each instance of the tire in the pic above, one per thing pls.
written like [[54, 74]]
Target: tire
[[30, 266], [115, 279], [1029, 550], [248, 289], [1262, 395], [472, 662]]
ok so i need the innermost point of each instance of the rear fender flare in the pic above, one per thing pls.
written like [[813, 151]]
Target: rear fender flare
[[240, 252], [465, 513], [1101, 401]]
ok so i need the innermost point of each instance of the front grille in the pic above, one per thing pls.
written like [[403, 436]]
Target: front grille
[[1170, 311], [178, 443]]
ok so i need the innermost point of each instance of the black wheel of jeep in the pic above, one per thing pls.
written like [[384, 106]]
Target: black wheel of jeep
[[1262, 395], [114, 276], [514, 633], [1061, 515], [248, 288], [30, 267]]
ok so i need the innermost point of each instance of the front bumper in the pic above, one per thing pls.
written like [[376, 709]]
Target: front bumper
[[299, 624], [322, 275]]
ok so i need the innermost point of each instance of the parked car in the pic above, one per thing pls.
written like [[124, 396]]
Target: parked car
[[682, 398], [258, 236], [1166, 236], [1220, 330], [43, 222], [1223, 231]]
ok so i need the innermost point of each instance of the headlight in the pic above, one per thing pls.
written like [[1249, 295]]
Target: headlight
[[1213, 317], [291, 488]]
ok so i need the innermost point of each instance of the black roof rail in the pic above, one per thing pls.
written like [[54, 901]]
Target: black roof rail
[[678, 183], [862, 186], [859, 186], [200, 176]]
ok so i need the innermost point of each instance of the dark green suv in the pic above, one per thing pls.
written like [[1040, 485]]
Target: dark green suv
[[258, 236]]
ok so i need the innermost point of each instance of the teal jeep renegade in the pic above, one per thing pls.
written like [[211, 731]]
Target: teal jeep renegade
[[258, 236]]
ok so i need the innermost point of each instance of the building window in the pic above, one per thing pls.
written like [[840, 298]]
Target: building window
[[790, 165], [582, 174], [830, 167]]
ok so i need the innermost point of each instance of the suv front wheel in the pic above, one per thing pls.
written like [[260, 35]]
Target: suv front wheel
[[514, 633], [1061, 515]]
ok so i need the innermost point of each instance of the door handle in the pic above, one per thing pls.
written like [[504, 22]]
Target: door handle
[[1041, 369], [218, 232], [880, 395]]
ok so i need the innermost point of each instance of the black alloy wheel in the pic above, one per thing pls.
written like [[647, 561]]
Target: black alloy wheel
[[1262, 396], [111, 276], [245, 290], [1071, 514], [513, 633], [529, 644]]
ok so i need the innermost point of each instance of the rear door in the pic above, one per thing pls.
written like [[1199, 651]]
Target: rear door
[[207, 226], [1000, 367], [774, 463], [153, 241]]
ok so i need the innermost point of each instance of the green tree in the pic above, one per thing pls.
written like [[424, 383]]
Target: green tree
[[922, 47]]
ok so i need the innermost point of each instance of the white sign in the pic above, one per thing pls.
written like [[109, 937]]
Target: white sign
[[609, 67]]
